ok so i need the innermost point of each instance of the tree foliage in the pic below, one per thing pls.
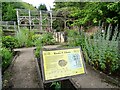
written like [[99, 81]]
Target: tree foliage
[[9, 9], [42, 7], [87, 13]]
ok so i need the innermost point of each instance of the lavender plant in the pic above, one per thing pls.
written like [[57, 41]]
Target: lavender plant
[[102, 51]]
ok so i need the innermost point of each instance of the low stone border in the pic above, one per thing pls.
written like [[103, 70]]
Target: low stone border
[[38, 72], [14, 58], [74, 84]]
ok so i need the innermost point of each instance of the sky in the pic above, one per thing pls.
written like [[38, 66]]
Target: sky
[[48, 3]]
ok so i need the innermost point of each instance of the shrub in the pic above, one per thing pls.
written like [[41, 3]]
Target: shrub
[[76, 38], [6, 57], [0, 37], [103, 52], [40, 40], [24, 37], [35, 38], [38, 44], [47, 39], [9, 42]]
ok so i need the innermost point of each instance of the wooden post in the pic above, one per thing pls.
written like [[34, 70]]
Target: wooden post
[[15, 26], [40, 20], [51, 20], [6, 25], [29, 20], [65, 24], [18, 21]]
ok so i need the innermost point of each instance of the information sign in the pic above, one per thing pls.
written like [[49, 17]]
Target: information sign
[[58, 64]]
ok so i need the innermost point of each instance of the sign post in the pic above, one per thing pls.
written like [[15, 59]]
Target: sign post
[[61, 64]]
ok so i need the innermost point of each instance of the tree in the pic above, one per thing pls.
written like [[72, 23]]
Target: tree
[[90, 13], [10, 13], [9, 9], [42, 7]]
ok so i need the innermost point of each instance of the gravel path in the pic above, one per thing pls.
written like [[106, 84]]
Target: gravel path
[[24, 70]]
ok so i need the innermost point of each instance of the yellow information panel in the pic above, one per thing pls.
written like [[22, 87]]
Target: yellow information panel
[[62, 63]]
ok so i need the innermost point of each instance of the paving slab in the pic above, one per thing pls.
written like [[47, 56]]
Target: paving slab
[[92, 79]]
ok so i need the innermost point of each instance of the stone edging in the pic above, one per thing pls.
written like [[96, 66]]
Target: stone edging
[[14, 58], [38, 72]]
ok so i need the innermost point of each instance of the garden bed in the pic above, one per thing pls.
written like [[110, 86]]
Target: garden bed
[[15, 55]]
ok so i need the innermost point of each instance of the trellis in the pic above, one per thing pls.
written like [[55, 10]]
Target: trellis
[[39, 21], [34, 19]]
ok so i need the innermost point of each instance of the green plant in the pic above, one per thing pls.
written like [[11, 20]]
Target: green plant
[[21, 37], [24, 37], [56, 85], [9, 42], [40, 40], [76, 38], [103, 52], [35, 38], [6, 57], [38, 48], [0, 37], [47, 39], [100, 51]]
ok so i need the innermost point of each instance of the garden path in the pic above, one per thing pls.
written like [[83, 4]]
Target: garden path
[[24, 70]]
